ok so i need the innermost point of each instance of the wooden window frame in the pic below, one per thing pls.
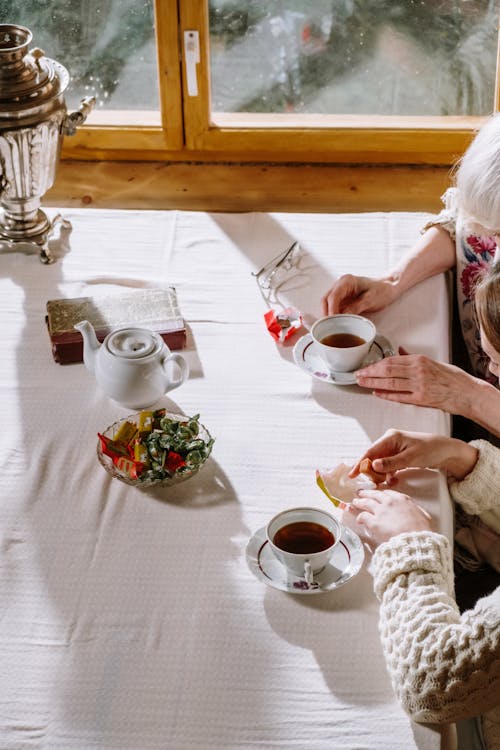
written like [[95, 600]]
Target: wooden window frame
[[187, 130]]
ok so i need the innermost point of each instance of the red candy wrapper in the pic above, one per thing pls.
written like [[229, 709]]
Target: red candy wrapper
[[173, 462], [112, 448], [132, 468], [282, 324]]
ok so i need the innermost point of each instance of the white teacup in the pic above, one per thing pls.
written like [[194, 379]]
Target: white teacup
[[303, 540], [343, 340]]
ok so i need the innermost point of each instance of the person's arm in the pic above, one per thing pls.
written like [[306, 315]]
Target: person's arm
[[444, 666], [417, 379], [478, 491], [433, 253], [481, 404]]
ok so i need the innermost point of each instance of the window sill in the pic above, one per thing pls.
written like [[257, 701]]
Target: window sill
[[248, 187]]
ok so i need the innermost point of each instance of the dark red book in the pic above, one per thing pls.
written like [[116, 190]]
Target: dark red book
[[155, 309]]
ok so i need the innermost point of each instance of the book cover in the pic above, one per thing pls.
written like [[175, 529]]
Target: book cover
[[155, 309]]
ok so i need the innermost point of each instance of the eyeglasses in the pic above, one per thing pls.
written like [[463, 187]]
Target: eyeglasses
[[273, 274], [282, 321]]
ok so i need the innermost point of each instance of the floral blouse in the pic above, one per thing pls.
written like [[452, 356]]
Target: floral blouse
[[476, 543], [474, 256]]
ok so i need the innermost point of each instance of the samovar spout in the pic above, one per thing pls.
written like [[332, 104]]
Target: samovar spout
[[77, 118]]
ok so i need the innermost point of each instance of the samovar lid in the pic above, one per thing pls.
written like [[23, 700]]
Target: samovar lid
[[29, 81]]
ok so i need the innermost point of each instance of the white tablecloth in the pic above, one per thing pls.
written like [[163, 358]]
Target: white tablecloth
[[129, 619]]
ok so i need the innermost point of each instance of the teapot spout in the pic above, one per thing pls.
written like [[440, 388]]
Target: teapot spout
[[90, 343]]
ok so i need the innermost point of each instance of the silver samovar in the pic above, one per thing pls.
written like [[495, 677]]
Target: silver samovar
[[33, 121]]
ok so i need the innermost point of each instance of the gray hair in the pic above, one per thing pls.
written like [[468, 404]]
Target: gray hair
[[478, 179]]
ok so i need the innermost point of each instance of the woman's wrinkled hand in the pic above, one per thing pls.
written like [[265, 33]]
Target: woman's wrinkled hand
[[386, 513], [358, 295], [417, 379]]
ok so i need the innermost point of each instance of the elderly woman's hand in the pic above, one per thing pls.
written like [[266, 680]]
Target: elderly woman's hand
[[417, 379], [386, 513], [358, 295]]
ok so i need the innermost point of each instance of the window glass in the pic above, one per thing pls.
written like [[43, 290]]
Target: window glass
[[108, 47], [387, 57]]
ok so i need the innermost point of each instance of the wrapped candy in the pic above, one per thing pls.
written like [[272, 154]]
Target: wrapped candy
[[158, 446], [141, 453], [126, 433], [132, 468], [338, 482], [112, 448], [145, 421], [173, 462], [283, 324], [366, 468]]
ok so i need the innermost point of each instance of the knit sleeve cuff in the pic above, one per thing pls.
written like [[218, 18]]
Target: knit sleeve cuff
[[422, 552], [478, 492]]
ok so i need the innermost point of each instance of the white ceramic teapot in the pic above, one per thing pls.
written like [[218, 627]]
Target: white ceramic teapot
[[133, 366]]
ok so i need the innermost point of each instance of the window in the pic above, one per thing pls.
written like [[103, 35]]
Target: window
[[108, 47], [387, 81], [398, 57]]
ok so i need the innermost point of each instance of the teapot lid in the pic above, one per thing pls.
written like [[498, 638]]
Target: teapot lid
[[133, 343]]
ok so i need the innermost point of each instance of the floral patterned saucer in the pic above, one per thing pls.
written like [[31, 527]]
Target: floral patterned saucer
[[345, 562], [310, 361]]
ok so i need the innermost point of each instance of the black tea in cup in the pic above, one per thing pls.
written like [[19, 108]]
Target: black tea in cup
[[303, 538], [342, 340]]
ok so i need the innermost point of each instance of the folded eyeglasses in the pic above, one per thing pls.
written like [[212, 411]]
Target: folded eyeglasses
[[274, 272], [281, 321]]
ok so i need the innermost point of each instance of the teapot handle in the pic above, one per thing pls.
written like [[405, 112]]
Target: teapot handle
[[183, 367]]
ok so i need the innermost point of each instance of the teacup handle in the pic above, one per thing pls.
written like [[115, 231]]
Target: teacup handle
[[308, 572], [183, 366]]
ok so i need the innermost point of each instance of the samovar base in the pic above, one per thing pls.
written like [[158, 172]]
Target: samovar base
[[37, 233]]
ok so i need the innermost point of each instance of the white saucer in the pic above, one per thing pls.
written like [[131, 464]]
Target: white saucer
[[345, 562], [308, 359]]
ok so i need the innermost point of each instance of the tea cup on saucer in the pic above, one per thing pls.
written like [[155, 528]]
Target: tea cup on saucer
[[303, 539], [343, 340]]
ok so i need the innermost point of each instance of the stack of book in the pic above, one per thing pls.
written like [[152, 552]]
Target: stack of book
[[154, 309]]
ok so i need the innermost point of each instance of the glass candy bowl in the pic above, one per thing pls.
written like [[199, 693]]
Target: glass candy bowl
[[154, 448]]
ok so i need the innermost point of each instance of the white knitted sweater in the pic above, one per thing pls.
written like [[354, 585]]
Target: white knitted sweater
[[444, 666]]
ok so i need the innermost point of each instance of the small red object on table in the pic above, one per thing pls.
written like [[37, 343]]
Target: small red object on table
[[283, 324]]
